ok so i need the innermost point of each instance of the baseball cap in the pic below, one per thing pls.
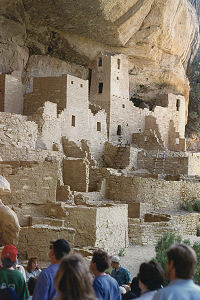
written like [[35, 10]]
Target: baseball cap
[[9, 251], [115, 259], [61, 246]]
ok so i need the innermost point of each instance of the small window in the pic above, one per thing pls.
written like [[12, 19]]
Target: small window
[[73, 121], [81, 85], [123, 105], [119, 130], [177, 104], [72, 82], [118, 63], [117, 78], [100, 62], [100, 87], [98, 126]]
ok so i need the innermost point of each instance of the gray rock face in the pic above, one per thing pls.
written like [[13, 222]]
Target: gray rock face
[[159, 36]]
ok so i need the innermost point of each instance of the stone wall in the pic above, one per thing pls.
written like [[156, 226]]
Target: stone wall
[[35, 240], [76, 174], [30, 182], [117, 157], [147, 233], [16, 131], [51, 89], [11, 94], [142, 232], [103, 227], [159, 194]]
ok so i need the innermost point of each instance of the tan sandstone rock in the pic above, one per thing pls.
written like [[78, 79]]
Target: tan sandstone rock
[[159, 36]]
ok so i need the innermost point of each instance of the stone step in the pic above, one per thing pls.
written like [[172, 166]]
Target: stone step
[[47, 221]]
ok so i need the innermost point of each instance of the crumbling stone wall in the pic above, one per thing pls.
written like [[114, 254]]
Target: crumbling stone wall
[[16, 131], [30, 182], [160, 194]]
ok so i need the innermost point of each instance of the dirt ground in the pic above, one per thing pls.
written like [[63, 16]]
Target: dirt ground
[[135, 255]]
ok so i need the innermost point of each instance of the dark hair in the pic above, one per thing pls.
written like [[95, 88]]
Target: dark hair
[[7, 263], [60, 247], [151, 275], [184, 260], [101, 259], [31, 285], [73, 279], [29, 265]]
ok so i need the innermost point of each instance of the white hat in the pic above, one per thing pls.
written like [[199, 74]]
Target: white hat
[[115, 259]]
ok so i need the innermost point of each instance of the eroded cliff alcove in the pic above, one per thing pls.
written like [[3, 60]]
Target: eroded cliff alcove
[[160, 38]]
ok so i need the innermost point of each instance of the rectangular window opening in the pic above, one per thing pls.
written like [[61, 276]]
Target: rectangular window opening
[[100, 87], [177, 104], [98, 126], [73, 121], [118, 63], [119, 130], [100, 62]]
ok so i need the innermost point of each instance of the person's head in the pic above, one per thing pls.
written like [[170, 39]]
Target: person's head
[[100, 261], [58, 250], [9, 256], [115, 262], [73, 279], [151, 276], [32, 264], [31, 285], [181, 262]]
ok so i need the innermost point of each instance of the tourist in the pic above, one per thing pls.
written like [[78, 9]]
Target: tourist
[[135, 290], [106, 287], [32, 268], [151, 277], [31, 286], [9, 277], [45, 289], [121, 274], [73, 280], [181, 261]]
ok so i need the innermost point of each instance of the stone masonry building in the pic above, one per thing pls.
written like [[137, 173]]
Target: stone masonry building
[[88, 163]]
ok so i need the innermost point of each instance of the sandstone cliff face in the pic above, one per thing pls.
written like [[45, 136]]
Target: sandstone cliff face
[[160, 37]]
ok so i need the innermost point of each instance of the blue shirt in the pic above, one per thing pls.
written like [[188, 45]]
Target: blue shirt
[[45, 289], [179, 289], [122, 275], [106, 288]]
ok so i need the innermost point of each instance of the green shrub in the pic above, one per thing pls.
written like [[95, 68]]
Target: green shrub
[[189, 207], [198, 231], [165, 242], [197, 205], [122, 252]]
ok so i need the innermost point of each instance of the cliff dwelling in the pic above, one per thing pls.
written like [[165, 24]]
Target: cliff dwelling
[[95, 151]]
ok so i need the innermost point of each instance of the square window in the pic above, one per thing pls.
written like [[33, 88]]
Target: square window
[[81, 85], [72, 82]]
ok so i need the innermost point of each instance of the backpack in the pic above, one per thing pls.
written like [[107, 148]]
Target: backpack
[[8, 294]]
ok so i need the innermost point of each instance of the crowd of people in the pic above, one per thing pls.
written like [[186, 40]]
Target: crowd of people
[[69, 277]]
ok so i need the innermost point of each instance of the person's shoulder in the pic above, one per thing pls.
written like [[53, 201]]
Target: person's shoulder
[[124, 270]]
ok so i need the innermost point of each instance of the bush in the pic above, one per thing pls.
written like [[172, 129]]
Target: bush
[[198, 231], [163, 245], [197, 205]]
